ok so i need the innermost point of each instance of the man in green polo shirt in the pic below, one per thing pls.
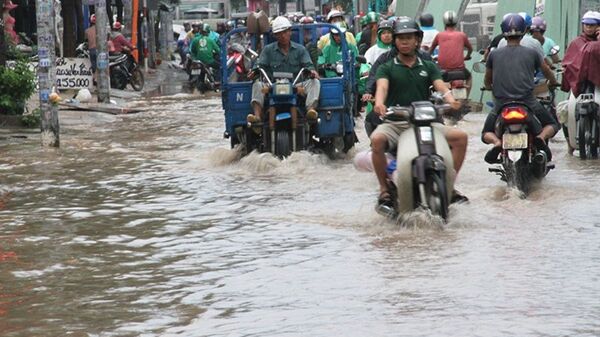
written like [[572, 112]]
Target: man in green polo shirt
[[285, 56], [405, 79]]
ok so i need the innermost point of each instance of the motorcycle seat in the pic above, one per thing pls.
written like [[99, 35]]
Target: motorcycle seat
[[453, 75]]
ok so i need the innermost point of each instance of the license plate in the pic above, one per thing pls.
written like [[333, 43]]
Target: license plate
[[196, 71], [459, 93], [514, 141]]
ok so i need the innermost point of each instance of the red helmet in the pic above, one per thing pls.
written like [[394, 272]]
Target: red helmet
[[117, 25], [93, 19]]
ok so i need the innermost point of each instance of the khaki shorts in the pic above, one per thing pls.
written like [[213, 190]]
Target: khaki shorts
[[393, 130]]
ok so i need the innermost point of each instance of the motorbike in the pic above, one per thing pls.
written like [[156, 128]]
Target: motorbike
[[583, 120], [202, 76], [285, 129], [422, 175], [521, 161], [82, 50], [125, 70], [239, 59]]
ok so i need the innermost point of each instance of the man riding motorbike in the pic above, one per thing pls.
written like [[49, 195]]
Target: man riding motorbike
[[120, 42], [452, 44], [336, 18], [369, 33], [371, 119], [400, 81], [284, 55], [308, 42], [537, 30], [429, 32], [527, 40], [332, 52], [206, 50], [509, 74]]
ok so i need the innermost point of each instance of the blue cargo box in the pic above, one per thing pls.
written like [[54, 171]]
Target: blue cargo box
[[331, 95], [236, 103]]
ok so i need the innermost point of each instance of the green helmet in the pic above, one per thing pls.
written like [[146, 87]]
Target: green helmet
[[206, 28], [371, 17]]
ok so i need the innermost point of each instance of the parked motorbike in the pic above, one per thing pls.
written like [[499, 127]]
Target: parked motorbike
[[521, 161], [125, 70], [421, 176], [202, 76]]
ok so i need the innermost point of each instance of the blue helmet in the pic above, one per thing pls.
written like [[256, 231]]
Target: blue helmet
[[528, 19], [513, 25]]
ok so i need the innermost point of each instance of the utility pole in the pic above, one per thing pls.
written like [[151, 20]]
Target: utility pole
[[2, 44], [47, 72], [102, 50]]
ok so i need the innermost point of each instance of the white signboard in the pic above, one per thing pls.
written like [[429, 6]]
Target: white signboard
[[539, 7], [74, 73], [71, 73]]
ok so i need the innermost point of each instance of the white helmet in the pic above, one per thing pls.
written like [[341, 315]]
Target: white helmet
[[334, 14], [591, 18], [280, 24], [450, 18]]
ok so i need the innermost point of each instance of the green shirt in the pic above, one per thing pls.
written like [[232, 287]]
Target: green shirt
[[204, 48], [407, 85], [333, 53], [272, 59]]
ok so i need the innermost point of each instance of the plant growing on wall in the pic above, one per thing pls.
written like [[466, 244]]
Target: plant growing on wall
[[17, 84]]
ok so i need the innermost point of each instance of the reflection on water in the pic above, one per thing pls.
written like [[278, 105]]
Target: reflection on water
[[151, 226]]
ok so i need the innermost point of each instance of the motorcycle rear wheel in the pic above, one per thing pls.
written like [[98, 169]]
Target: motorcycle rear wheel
[[583, 137], [137, 79], [523, 176]]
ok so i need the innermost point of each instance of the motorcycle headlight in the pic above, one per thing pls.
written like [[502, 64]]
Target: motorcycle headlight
[[339, 68], [283, 89], [425, 113]]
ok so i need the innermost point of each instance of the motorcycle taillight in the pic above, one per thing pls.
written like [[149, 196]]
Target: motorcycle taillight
[[514, 114]]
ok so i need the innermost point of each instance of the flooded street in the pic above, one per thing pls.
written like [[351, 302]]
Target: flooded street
[[151, 226]]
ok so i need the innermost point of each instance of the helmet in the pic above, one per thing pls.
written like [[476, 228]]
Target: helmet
[[405, 25], [306, 20], [450, 18], [334, 14], [513, 25], [206, 28], [538, 24], [116, 25], [93, 19], [527, 18], [230, 24], [241, 23], [371, 17], [591, 18], [319, 18], [426, 20], [280, 24], [196, 24], [385, 24]]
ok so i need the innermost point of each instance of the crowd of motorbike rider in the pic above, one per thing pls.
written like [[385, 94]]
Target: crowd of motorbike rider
[[401, 71]]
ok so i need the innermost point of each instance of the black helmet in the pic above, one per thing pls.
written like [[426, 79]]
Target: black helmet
[[426, 20], [406, 25], [385, 24]]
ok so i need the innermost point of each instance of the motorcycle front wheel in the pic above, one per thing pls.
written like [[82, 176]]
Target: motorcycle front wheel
[[137, 79], [436, 194], [282, 144]]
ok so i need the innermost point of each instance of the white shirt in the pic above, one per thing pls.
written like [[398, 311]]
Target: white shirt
[[527, 41], [373, 53]]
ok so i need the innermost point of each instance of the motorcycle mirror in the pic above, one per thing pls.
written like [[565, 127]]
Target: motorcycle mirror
[[361, 59], [479, 67], [481, 51], [554, 50]]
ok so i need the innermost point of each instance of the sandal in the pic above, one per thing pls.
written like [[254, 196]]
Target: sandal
[[385, 199]]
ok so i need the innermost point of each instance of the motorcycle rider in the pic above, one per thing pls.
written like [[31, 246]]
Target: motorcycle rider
[[509, 73], [284, 55], [371, 119], [537, 30], [332, 52], [206, 50], [369, 33], [451, 44], [336, 18], [575, 69], [527, 40], [429, 32], [385, 38], [119, 40], [400, 81], [308, 42]]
